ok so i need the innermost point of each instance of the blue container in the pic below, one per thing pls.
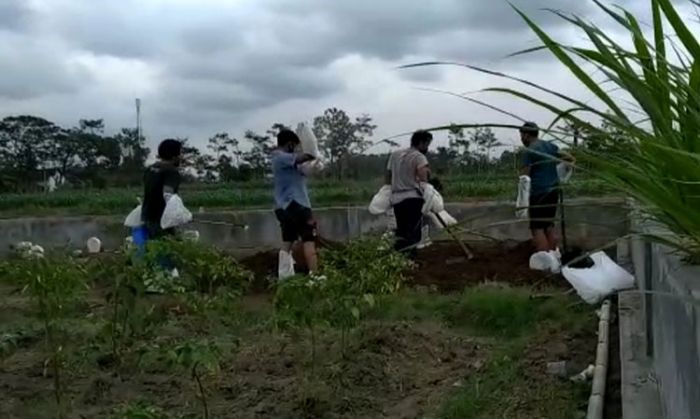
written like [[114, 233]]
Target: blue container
[[140, 236]]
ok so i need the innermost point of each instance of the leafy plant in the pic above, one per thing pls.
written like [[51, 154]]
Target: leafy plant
[[195, 357], [649, 144], [55, 284], [203, 268], [141, 410]]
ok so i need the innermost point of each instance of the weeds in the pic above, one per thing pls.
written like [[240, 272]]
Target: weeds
[[195, 357]]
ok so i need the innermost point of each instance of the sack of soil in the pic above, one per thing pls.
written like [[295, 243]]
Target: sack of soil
[[600, 280]]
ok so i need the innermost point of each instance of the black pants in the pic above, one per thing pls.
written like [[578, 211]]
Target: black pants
[[543, 210], [409, 221]]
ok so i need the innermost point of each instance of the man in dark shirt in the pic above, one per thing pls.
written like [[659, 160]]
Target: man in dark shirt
[[160, 178], [540, 164]]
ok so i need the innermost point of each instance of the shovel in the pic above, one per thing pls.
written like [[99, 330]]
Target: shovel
[[465, 249]]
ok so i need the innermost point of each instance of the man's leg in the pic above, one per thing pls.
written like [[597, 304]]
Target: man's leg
[[305, 228], [539, 240], [552, 237], [409, 219]]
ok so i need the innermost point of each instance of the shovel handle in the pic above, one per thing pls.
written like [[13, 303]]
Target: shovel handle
[[464, 247]]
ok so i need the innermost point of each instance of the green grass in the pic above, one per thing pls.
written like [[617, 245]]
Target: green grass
[[255, 194], [512, 320]]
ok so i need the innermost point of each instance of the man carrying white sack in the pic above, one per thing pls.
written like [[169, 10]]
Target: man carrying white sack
[[406, 170], [292, 205], [162, 177], [540, 164]]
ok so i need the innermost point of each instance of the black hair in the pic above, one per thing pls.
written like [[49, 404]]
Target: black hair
[[169, 149], [421, 137], [285, 137], [530, 128]]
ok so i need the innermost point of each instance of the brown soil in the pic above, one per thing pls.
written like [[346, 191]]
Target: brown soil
[[445, 266], [442, 266], [392, 370]]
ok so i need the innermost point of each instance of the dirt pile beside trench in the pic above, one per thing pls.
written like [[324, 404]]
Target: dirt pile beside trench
[[445, 267]]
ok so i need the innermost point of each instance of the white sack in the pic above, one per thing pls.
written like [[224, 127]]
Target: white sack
[[545, 261], [448, 219], [564, 171], [312, 167], [597, 282], [381, 201], [433, 199], [133, 220], [175, 213], [309, 143], [285, 267], [523, 201]]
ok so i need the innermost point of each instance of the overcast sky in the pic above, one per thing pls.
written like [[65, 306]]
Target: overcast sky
[[204, 66]]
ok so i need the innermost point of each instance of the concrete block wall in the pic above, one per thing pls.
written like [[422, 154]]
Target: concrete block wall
[[590, 223], [673, 326]]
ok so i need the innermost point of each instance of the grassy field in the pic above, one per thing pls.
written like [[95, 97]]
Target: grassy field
[[257, 194]]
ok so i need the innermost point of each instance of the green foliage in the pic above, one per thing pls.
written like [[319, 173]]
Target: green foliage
[[347, 286], [192, 356], [202, 267], [141, 410], [55, 284], [648, 145]]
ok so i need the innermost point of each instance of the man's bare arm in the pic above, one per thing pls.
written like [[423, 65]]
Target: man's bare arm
[[303, 158], [423, 173]]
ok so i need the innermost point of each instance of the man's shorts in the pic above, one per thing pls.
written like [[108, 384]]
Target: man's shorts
[[543, 210], [296, 223]]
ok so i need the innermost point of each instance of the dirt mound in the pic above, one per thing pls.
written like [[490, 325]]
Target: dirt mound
[[444, 266]]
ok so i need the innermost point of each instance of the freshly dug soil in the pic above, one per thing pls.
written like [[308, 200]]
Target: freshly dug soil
[[445, 266]]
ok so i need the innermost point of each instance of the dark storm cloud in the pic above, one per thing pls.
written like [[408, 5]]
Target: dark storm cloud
[[14, 14], [217, 60]]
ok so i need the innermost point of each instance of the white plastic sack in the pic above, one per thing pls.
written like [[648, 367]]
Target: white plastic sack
[[433, 199], [312, 167], [545, 261], [175, 213], [523, 201], [309, 143], [94, 245], [448, 219], [564, 171], [133, 220], [602, 279], [285, 266], [381, 201]]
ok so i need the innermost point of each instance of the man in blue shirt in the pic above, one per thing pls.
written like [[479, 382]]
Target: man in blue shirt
[[292, 205], [540, 164]]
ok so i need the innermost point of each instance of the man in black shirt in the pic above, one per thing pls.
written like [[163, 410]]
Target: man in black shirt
[[160, 178]]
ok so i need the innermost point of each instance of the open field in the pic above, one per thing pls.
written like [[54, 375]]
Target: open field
[[354, 344], [257, 194]]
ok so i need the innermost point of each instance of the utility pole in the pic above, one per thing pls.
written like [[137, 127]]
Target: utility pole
[[138, 118]]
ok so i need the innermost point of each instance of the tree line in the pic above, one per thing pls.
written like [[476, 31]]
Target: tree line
[[33, 149]]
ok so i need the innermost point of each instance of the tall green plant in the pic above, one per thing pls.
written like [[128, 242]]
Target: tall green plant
[[656, 111], [55, 284]]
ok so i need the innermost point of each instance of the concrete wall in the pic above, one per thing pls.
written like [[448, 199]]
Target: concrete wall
[[590, 223], [672, 326]]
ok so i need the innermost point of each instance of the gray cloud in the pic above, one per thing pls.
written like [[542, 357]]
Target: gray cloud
[[14, 14], [31, 68], [222, 62]]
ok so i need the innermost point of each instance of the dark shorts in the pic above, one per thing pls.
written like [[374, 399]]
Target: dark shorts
[[296, 222], [543, 210]]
